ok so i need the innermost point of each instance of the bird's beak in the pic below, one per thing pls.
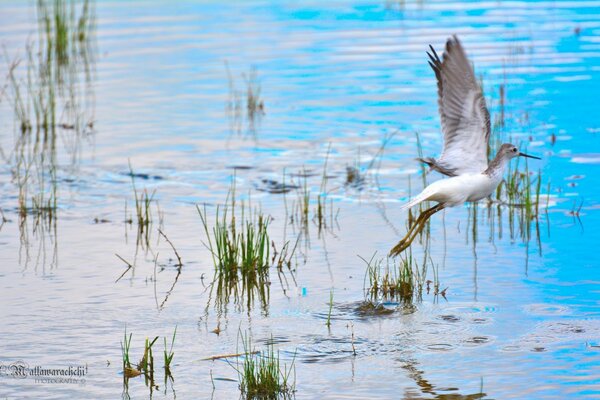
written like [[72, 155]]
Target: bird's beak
[[527, 155]]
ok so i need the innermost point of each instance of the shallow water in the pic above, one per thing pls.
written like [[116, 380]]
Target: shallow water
[[520, 318]]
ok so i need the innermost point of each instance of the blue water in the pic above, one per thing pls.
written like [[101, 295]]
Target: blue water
[[520, 318]]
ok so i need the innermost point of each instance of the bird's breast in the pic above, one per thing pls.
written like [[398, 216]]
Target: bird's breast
[[480, 186]]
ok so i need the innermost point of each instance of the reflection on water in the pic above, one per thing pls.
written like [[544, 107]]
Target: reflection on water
[[322, 101]]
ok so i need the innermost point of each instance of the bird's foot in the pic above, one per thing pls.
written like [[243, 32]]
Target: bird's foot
[[399, 248]]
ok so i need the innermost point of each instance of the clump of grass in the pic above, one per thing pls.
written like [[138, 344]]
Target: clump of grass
[[321, 210], [387, 280], [34, 157], [65, 35], [323, 215], [146, 365], [143, 211], [128, 370], [284, 256], [238, 248], [300, 215], [328, 322], [261, 374], [357, 174], [168, 355], [253, 105], [239, 243], [46, 96], [520, 191]]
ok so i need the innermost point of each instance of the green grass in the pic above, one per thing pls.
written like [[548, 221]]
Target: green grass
[[323, 215], [400, 279], [168, 355], [125, 348], [321, 210], [143, 212], [520, 192], [328, 322], [254, 104], [356, 175], [65, 34], [239, 246], [146, 365], [44, 91], [239, 243], [244, 104], [261, 374]]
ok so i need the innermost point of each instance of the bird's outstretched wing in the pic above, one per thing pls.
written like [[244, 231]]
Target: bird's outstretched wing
[[464, 116]]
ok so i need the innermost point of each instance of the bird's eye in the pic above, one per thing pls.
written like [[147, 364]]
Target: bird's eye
[[514, 149]]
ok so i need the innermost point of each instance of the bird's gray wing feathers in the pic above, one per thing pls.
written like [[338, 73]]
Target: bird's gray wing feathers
[[464, 115]]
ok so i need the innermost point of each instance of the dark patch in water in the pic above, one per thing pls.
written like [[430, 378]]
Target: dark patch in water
[[449, 318], [276, 340], [367, 308], [274, 187], [354, 178], [477, 340], [141, 175]]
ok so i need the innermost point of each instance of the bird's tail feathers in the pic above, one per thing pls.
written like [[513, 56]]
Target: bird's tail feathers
[[416, 200]]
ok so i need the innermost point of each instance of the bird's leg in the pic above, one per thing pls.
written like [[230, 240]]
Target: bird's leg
[[421, 219], [416, 223], [415, 229], [412, 232]]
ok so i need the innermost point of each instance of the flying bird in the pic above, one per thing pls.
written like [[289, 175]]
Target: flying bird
[[465, 122]]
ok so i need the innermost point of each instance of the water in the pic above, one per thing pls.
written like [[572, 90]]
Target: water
[[520, 319]]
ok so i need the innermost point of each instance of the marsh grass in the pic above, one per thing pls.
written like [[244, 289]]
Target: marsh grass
[[399, 279], [328, 322], [239, 243], [357, 175], [168, 355], [321, 208], [324, 215], [52, 108], [146, 366], [245, 104], [143, 201], [262, 375], [239, 249], [520, 193], [285, 255]]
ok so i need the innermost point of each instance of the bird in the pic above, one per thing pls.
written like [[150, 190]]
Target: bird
[[465, 123]]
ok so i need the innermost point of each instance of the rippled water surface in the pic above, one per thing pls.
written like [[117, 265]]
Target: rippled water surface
[[166, 94]]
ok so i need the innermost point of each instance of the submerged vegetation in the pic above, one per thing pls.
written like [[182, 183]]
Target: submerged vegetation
[[143, 213], [399, 280], [261, 375], [240, 246], [51, 97], [244, 105], [324, 215], [146, 366]]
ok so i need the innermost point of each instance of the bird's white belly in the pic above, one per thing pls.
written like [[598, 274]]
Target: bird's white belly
[[459, 189]]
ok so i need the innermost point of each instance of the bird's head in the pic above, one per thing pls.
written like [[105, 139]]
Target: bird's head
[[509, 151]]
